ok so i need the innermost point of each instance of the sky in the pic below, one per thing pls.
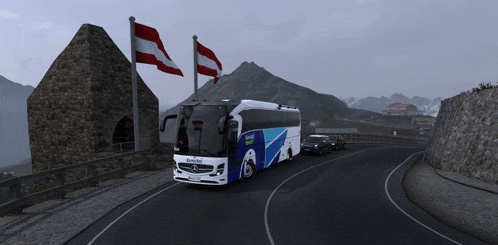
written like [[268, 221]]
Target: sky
[[346, 48]]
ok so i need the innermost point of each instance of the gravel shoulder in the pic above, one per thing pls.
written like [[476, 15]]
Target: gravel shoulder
[[462, 203], [57, 221]]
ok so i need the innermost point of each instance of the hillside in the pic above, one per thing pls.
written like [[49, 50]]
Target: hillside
[[250, 81], [429, 107], [14, 138]]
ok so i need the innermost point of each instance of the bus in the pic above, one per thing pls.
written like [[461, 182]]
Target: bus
[[216, 143]]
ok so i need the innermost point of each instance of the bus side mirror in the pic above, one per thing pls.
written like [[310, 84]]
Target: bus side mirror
[[163, 124], [167, 128], [222, 124]]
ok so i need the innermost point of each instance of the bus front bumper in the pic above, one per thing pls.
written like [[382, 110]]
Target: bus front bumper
[[206, 165]]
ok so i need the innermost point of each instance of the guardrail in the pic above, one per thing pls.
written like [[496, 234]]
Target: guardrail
[[378, 139], [16, 199], [123, 147]]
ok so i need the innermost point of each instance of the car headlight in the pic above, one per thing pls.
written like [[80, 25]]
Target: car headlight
[[333, 143]]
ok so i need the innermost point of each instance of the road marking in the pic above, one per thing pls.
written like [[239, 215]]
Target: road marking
[[268, 201], [108, 226], [420, 223]]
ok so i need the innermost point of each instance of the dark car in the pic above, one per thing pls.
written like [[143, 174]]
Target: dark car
[[338, 142], [316, 144]]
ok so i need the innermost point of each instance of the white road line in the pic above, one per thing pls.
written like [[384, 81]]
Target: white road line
[[108, 226], [405, 212], [268, 201]]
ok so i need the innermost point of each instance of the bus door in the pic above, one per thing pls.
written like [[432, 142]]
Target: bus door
[[232, 145]]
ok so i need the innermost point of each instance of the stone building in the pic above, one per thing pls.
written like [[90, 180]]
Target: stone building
[[84, 104]]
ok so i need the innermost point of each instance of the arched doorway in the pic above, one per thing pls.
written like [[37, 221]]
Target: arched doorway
[[123, 138]]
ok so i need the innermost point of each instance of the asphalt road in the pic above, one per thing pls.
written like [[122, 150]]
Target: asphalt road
[[347, 197]]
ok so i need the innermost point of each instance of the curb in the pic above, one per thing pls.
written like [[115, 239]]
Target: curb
[[466, 181]]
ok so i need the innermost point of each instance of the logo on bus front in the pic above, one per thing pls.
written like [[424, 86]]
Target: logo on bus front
[[190, 160], [249, 139]]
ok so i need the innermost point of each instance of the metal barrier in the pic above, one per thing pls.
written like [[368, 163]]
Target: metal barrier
[[14, 184], [377, 139], [123, 147]]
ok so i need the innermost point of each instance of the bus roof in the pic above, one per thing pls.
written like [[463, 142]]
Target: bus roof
[[221, 103], [243, 103]]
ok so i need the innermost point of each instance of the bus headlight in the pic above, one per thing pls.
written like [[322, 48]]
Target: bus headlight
[[219, 170], [316, 146]]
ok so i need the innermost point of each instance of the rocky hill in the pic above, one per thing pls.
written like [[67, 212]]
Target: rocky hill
[[14, 139], [14, 90], [250, 81], [429, 107]]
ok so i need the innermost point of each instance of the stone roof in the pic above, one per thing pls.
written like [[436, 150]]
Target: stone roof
[[90, 63]]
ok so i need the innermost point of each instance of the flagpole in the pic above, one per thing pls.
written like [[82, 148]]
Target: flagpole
[[134, 82], [195, 68]]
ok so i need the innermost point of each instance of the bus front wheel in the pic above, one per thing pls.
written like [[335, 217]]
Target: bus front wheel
[[249, 171]]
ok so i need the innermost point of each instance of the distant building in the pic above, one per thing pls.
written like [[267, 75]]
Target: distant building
[[315, 123], [401, 109]]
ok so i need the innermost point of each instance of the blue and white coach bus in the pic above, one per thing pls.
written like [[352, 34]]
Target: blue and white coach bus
[[216, 143]]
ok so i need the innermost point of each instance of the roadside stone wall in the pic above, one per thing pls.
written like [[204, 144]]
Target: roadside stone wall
[[466, 136]]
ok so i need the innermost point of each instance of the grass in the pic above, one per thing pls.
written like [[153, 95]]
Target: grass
[[483, 86]]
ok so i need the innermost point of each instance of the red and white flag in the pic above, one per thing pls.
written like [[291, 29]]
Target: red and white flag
[[207, 63], [150, 50]]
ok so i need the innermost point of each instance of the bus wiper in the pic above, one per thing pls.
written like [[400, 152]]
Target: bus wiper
[[209, 153]]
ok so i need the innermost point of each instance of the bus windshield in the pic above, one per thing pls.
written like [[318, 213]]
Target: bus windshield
[[198, 134]]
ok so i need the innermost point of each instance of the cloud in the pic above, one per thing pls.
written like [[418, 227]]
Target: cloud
[[41, 26], [388, 60], [362, 2], [9, 15]]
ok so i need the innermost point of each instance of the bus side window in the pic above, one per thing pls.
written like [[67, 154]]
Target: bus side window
[[232, 124]]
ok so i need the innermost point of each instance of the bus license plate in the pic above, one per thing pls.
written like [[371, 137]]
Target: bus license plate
[[307, 149], [194, 178]]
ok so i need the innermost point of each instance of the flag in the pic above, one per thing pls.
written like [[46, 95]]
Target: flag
[[207, 63], [150, 50]]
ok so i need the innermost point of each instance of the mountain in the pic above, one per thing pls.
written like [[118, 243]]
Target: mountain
[[429, 107], [14, 90], [14, 138], [250, 81]]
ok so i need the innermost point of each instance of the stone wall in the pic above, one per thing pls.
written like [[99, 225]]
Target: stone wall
[[466, 136]]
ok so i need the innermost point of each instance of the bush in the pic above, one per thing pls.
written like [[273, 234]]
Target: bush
[[483, 86]]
